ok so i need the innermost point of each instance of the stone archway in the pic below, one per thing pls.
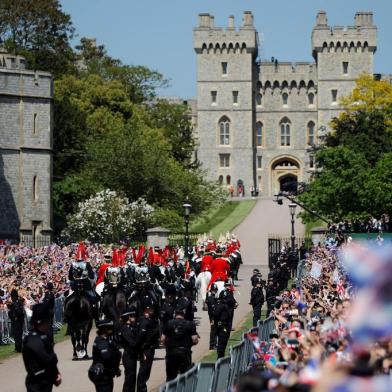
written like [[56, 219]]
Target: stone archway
[[285, 171], [288, 183]]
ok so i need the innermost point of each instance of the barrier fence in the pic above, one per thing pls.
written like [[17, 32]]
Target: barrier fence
[[218, 377], [5, 322]]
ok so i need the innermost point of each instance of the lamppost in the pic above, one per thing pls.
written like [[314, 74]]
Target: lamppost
[[187, 212], [292, 207]]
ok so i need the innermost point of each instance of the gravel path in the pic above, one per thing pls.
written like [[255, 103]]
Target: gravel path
[[266, 217]]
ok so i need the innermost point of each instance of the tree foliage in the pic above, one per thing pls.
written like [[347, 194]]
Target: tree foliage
[[40, 31], [354, 177]]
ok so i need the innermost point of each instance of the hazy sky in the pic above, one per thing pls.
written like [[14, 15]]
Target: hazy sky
[[158, 33]]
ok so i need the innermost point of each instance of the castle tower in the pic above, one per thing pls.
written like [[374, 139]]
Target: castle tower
[[25, 152], [225, 107], [342, 54]]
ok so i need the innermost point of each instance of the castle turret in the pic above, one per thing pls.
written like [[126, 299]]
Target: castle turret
[[342, 54], [225, 77]]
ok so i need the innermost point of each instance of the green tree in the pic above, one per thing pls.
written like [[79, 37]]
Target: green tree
[[40, 31]]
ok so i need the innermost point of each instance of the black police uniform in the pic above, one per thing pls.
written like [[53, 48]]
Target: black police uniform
[[40, 362], [149, 339], [232, 304], [178, 333], [17, 315], [48, 300], [211, 301], [130, 341], [257, 301], [222, 320], [167, 309], [106, 352]]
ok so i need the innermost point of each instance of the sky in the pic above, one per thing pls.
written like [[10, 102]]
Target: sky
[[158, 33]]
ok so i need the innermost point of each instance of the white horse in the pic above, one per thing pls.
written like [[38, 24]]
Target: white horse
[[202, 282]]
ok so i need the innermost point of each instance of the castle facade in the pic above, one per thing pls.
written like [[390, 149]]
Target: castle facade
[[25, 152], [258, 123]]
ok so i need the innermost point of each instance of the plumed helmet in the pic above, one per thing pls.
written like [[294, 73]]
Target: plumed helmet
[[113, 275], [41, 313], [79, 268], [142, 275]]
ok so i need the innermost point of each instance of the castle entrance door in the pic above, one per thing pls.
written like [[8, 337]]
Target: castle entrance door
[[285, 173]]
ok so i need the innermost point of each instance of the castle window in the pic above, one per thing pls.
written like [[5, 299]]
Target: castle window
[[311, 161], [259, 99], [311, 133], [285, 99], [311, 99], [224, 160], [345, 67], [259, 161], [220, 180], [259, 134], [214, 95], [285, 132], [334, 96], [35, 188], [224, 68], [235, 97], [35, 123], [228, 179], [224, 131]]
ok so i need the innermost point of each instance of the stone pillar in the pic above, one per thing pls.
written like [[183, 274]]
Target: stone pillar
[[157, 236], [318, 234]]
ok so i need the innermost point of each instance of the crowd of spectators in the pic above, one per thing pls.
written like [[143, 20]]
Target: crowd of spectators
[[369, 225], [333, 329]]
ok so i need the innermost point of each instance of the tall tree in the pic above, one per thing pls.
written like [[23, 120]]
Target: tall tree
[[39, 30]]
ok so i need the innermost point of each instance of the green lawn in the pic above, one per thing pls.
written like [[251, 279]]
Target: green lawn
[[8, 350], [225, 219]]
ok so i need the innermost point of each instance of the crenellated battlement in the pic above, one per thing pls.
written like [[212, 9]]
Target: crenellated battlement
[[11, 61], [211, 39], [362, 37]]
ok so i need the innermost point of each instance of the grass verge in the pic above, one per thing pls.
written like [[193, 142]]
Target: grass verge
[[225, 219], [235, 337], [8, 350]]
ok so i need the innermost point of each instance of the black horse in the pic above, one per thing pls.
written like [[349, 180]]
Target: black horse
[[79, 316], [114, 303]]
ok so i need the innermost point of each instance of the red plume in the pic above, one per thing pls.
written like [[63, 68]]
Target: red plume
[[81, 252], [151, 255], [140, 254], [115, 258], [134, 255]]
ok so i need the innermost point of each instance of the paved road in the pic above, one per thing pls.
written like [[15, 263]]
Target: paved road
[[266, 218]]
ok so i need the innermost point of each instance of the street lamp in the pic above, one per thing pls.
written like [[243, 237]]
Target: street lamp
[[187, 212], [292, 207]]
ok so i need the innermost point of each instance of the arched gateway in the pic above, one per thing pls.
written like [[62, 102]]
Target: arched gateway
[[285, 174]]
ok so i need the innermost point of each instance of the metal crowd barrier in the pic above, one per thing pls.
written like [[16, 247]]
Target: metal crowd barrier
[[5, 322], [218, 377]]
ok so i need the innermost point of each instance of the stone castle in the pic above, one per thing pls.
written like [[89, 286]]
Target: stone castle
[[25, 152], [258, 123]]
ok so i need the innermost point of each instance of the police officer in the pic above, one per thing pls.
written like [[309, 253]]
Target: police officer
[[222, 320], [179, 336], [130, 341], [48, 299], [211, 301], [149, 339], [17, 315], [106, 358], [38, 356], [169, 305], [257, 301], [230, 301]]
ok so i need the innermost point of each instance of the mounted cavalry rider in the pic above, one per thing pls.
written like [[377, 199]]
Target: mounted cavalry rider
[[82, 278], [144, 294]]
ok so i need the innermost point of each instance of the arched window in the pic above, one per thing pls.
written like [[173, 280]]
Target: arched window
[[259, 99], [311, 133], [224, 131], [285, 99], [259, 134], [35, 188], [285, 132], [228, 179], [220, 180], [311, 98]]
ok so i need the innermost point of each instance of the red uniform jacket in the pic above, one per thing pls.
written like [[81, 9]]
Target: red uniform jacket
[[219, 269], [206, 263], [101, 273]]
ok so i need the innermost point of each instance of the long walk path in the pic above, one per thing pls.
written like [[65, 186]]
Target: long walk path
[[265, 218]]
